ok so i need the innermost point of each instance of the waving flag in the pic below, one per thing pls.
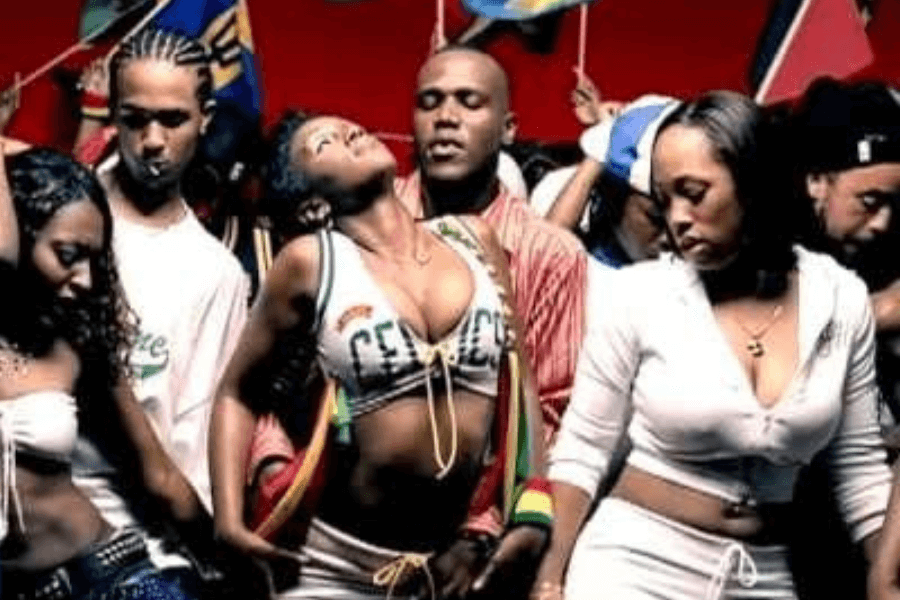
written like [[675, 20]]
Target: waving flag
[[516, 10], [806, 39], [100, 18], [224, 25]]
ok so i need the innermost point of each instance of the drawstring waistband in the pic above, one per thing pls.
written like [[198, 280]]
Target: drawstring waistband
[[392, 573], [442, 353], [747, 574]]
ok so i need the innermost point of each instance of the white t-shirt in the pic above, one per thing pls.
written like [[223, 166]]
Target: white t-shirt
[[190, 294]]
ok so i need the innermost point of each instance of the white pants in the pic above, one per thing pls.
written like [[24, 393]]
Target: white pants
[[337, 566], [628, 553]]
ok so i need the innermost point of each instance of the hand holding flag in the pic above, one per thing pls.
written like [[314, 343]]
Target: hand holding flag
[[9, 103]]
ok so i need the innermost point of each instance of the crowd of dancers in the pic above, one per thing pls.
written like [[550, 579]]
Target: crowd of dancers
[[667, 371]]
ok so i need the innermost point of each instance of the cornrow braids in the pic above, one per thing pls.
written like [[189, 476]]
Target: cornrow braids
[[165, 46]]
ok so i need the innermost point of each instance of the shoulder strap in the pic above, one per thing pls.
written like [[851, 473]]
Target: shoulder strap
[[516, 446], [326, 274]]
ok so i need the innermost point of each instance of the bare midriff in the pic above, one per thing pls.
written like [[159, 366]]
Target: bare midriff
[[59, 522], [753, 523], [384, 488]]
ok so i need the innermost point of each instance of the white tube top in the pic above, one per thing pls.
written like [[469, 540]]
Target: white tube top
[[42, 423]]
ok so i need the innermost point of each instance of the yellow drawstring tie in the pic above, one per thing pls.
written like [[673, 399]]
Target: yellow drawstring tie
[[443, 353], [392, 573]]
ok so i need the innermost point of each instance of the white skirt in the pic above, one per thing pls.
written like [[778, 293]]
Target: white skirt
[[335, 565]]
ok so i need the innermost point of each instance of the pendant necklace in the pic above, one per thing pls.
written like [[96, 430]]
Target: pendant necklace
[[754, 344]]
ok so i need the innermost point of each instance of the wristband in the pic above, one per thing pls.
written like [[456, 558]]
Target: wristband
[[94, 106], [534, 505]]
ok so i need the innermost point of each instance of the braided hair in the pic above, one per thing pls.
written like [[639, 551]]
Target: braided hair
[[164, 46]]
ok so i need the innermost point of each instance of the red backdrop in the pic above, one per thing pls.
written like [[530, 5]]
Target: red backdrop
[[359, 59]]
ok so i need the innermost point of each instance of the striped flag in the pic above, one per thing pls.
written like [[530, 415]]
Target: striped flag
[[516, 10], [806, 39]]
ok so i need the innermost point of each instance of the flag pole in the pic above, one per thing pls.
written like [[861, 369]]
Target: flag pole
[[80, 45], [438, 35], [73, 49], [393, 137], [582, 38], [766, 83], [161, 4]]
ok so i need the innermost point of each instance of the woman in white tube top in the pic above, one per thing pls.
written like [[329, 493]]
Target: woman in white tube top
[[731, 363], [63, 336]]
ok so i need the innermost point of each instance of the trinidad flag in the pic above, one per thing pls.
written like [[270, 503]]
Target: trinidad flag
[[804, 40]]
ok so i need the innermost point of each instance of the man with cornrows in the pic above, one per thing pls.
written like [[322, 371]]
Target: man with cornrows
[[189, 292]]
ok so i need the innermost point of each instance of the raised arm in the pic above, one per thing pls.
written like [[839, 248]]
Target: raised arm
[[568, 209], [9, 104], [92, 137], [9, 227], [283, 303]]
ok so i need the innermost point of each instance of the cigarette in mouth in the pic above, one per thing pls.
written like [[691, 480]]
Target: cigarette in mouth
[[154, 170]]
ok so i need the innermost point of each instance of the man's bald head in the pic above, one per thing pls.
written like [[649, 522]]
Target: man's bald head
[[486, 64], [462, 113]]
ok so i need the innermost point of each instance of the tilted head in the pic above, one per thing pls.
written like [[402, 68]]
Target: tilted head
[[849, 152], [161, 95], [462, 115], [716, 188], [625, 213], [69, 281], [64, 221], [326, 158]]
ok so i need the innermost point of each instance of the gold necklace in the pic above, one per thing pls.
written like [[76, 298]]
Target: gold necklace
[[426, 258], [754, 344]]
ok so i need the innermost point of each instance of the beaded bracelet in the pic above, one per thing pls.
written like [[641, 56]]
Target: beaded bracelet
[[534, 505], [94, 105]]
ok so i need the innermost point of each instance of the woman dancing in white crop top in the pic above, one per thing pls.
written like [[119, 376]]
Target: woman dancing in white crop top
[[412, 327], [739, 357], [64, 335]]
